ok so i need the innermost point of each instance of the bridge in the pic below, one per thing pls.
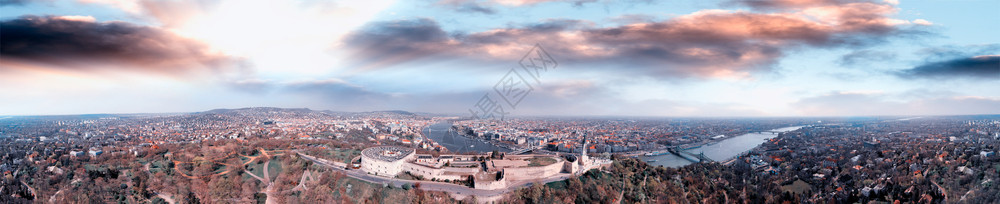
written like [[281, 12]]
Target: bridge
[[686, 155], [525, 150]]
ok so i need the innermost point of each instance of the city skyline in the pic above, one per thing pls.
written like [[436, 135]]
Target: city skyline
[[632, 58]]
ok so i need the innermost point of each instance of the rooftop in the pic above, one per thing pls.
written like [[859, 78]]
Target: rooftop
[[387, 153]]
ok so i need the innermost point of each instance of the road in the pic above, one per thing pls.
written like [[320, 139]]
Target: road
[[269, 190], [166, 197], [456, 190]]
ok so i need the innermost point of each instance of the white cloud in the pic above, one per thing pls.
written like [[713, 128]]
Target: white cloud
[[77, 18], [922, 22]]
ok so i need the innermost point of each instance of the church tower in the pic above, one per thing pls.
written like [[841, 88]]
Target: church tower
[[583, 153]]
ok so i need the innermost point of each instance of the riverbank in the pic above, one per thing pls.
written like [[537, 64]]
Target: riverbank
[[503, 147], [714, 141], [722, 150], [458, 143]]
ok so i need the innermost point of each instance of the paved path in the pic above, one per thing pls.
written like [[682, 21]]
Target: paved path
[[269, 190], [167, 198], [30, 189], [262, 181], [306, 177]]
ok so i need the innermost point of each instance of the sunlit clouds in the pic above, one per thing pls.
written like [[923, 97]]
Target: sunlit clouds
[[79, 43], [649, 58], [708, 43], [283, 37]]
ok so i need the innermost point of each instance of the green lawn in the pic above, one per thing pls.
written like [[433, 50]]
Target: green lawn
[[798, 186], [356, 187], [256, 169], [557, 184], [540, 161], [274, 168], [342, 155]]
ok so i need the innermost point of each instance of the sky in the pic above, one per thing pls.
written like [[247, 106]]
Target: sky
[[714, 58]]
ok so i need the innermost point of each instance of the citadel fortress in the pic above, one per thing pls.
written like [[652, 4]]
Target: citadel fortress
[[496, 173]]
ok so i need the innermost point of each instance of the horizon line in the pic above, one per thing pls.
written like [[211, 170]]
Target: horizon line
[[512, 116]]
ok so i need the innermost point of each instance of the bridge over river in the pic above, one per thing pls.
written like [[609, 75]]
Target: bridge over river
[[682, 153], [720, 151]]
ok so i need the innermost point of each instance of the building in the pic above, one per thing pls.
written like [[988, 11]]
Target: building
[[389, 161], [385, 160], [95, 152], [986, 153], [874, 144]]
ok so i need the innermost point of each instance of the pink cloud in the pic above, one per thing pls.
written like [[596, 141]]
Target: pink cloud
[[82, 44], [709, 43]]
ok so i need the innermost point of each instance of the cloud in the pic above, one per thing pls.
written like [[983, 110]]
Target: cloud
[[983, 67], [395, 42], [708, 43], [956, 62], [789, 4], [865, 56], [81, 43], [169, 13], [873, 104], [334, 88], [331, 92], [490, 6], [509, 3], [475, 8], [949, 52], [633, 19], [923, 22], [173, 13], [22, 2], [13, 2]]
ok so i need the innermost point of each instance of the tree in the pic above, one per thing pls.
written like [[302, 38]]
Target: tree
[[249, 188], [472, 181], [319, 194]]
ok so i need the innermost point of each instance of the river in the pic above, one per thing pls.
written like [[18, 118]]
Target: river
[[721, 151], [457, 143]]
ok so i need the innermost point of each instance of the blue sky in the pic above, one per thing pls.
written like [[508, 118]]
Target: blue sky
[[645, 58]]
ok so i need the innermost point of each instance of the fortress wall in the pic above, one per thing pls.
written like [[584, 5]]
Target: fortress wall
[[528, 173], [440, 174], [491, 185]]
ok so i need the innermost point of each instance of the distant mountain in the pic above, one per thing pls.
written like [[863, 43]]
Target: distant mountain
[[401, 112], [335, 112], [257, 109], [228, 111], [260, 111]]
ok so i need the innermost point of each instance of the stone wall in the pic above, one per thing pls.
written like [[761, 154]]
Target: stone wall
[[528, 173], [383, 168], [448, 173], [491, 184]]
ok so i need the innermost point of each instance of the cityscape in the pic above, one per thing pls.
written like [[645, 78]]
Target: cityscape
[[499, 101], [276, 155]]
